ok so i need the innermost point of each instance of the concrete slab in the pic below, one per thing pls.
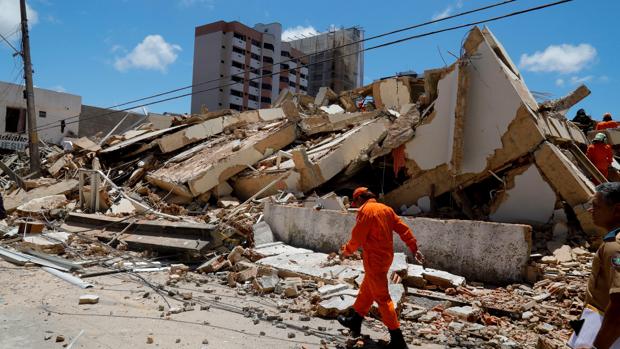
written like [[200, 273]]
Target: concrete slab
[[515, 204], [481, 251], [208, 168], [311, 168]]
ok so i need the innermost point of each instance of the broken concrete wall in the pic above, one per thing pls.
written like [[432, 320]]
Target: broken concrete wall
[[311, 168], [209, 167], [392, 93], [527, 199], [569, 182], [432, 144], [499, 124], [489, 252]]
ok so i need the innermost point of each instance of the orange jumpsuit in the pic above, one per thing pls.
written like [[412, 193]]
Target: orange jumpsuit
[[603, 125], [601, 155], [373, 232]]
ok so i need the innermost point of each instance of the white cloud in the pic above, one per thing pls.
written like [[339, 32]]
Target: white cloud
[[448, 11], [10, 16], [153, 53], [293, 33], [560, 82], [563, 59], [577, 80]]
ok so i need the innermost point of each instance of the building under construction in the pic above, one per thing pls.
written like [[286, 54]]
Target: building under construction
[[326, 69]]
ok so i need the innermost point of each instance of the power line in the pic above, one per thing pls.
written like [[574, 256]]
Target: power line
[[9, 43], [271, 65], [536, 8]]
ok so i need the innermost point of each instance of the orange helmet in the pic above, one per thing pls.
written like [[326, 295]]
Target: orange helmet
[[359, 191]]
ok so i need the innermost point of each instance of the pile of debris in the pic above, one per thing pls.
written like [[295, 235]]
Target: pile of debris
[[466, 142]]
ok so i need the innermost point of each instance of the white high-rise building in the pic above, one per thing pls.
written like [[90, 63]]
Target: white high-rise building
[[229, 59]]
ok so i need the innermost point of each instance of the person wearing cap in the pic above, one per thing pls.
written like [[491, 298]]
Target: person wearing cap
[[584, 121], [606, 123], [600, 154], [599, 324], [373, 233]]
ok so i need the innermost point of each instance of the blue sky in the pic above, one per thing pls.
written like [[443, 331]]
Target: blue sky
[[114, 51]]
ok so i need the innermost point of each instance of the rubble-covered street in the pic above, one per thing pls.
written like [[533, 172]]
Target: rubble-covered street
[[221, 229]]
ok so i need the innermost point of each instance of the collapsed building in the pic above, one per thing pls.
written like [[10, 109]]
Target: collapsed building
[[487, 174]]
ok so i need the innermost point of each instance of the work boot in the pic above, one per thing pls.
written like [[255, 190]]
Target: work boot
[[353, 323], [396, 340]]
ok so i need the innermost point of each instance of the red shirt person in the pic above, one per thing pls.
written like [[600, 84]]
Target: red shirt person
[[600, 154], [373, 232], [606, 123]]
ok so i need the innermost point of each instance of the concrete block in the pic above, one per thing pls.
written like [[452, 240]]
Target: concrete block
[[565, 178], [271, 114], [443, 279], [335, 306], [482, 251], [267, 283], [466, 312], [328, 290], [262, 233], [89, 299], [333, 109]]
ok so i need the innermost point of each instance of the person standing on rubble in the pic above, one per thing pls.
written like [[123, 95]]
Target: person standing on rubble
[[584, 121], [373, 233], [606, 123], [599, 324], [600, 154]]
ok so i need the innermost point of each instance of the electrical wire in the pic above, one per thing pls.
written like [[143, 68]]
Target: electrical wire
[[292, 59], [394, 42]]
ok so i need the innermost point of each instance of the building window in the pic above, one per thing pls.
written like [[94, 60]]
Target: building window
[[267, 72], [255, 43], [285, 54], [222, 61], [253, 98], [283, 79], [264, 99], [267, 59], [303, 88], [238, 50], [236, 78], [303, 76], [253, 83], [15, 120], [292, 84], [268, 46], [255, 56], [266, 87], [236, 93], [285, 66], [42, 114], [238, 65], [239, 36], [235, 107]]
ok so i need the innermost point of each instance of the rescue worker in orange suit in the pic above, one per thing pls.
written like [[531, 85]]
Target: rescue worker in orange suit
[[606, 123], [373, 233], [600, 154]]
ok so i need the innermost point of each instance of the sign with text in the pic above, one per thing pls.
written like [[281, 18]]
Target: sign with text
[[13, 141]]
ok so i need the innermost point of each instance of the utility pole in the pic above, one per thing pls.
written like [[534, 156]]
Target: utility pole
[[33, 137]]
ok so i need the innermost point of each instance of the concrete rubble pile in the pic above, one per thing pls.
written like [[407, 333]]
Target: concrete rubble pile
[[255, 200]]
